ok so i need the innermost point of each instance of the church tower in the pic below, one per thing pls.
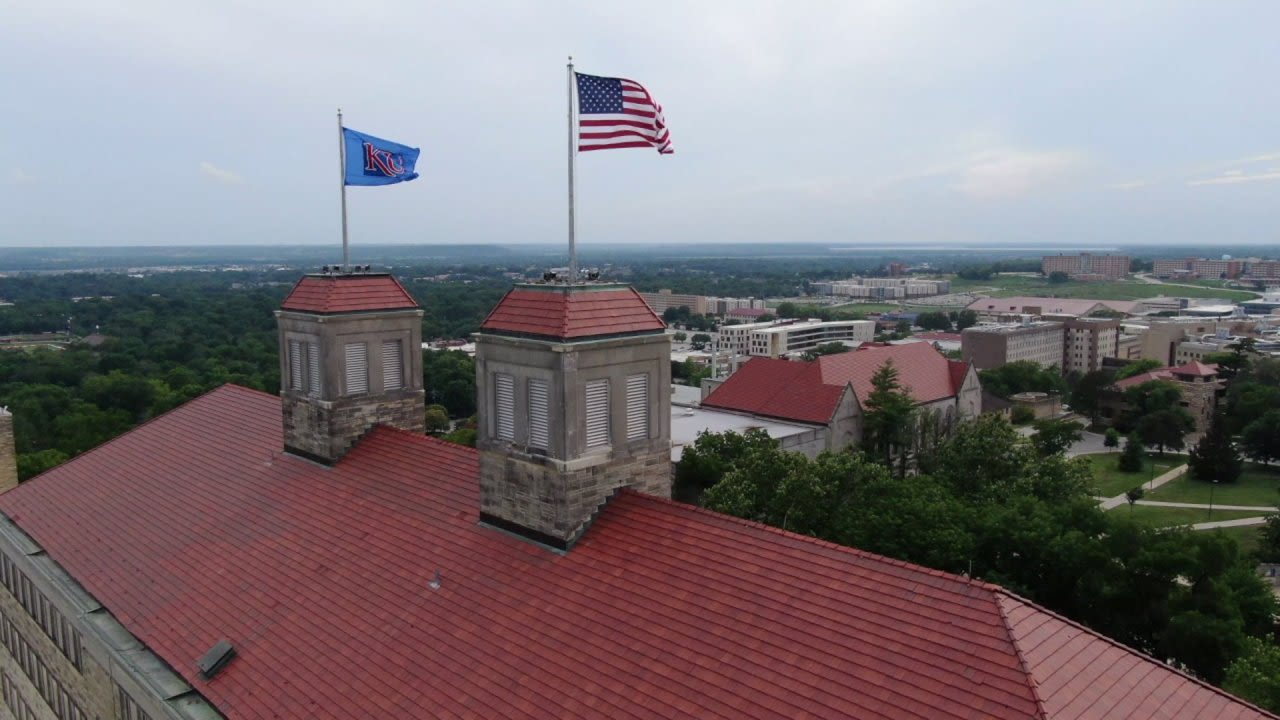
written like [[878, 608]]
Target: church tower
[[350, 359], [574, 402]]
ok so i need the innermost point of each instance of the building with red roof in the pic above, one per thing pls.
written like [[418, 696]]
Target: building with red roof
[[195, 568], [1198, 382], [831, 391]]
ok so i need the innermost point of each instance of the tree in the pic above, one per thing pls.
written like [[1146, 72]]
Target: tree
[[1131, 457], [437, 418], [831, 348], [1137, 367], [1086, 396], [679, 337], [1166, 429], [1055, 436], [886, 417], [1269, 545], [934, 321], [705, 462], [1057, 277], [1215, 458], [32, 464], [1112, 438], [1022, 376], [1261, 438], [699, 340], [1021, 415], [1133, 495], [966, 319], [1255, 674]]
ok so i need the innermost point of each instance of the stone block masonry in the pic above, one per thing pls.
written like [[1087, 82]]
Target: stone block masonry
[[8, 455], [325, 431]]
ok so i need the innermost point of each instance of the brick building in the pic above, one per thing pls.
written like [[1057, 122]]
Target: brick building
[[990, 346], [1087, 266], [1086, 341], [197, 568], [1198, 268]]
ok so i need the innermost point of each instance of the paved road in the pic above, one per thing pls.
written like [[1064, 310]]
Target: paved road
[[1242, 522], [1119, 500], [1156, 281]]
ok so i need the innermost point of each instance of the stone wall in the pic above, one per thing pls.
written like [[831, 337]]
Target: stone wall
[[558, 499], [326, 430], [8, 456]]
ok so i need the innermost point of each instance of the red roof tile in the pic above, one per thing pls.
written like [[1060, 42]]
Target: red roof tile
[[811, 391], [1195, 368], [347, 293], [1146, 377], [1080, 675], [568, 312], [319, 576]]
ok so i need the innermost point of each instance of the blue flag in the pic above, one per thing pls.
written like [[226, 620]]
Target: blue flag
[[374, 161]]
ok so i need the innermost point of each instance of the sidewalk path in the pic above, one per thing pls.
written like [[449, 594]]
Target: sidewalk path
[[1242, 522], [1205, 506], [1120, 499]]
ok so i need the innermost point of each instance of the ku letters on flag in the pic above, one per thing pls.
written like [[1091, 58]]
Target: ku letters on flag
[[374, 161]]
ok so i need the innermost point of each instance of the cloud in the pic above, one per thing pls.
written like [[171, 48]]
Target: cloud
[[217, 173], [1235, 177], [1012, 173], [18, 176]]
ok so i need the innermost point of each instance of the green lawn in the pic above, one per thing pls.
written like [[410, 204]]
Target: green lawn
[[1112, 482], [1258, 485], [1154, 516], [865, 308], [1248, 537], [1007, 285]]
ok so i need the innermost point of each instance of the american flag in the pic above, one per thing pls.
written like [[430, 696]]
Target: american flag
[[619, 113]]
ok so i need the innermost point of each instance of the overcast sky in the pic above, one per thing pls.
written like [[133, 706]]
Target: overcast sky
[[1063, 124]]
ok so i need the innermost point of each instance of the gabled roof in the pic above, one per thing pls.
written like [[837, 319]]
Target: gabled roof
[[572, 312], [348, 293], [195, 527], [1195, 368], [811, 391]]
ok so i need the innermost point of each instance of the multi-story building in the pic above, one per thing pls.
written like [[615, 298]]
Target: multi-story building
[[990, 346], [1262, 270], [786, 338], [1170, 268], [890, 288], [1198, 267], [1087, 266], [725, 305], [663, 300], [1087, 341], [776, 338], [1013, 309]]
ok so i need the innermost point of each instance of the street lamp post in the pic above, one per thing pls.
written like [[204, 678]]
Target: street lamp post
[[1211, 487]]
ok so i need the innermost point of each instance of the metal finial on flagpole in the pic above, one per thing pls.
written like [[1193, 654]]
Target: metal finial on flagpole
[[573, 251], [342, 183]]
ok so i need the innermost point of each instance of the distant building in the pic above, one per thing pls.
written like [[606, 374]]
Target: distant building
[[663, 300], [1086, 341], [1198, 268], [1014, 308], [1198, 383], [1087, 266], [746, 313], [991, 346], [776, 338], [890, 288], [830, 392], [1268, 304]]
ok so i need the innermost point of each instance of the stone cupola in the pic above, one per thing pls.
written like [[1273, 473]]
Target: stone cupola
[[574, 402], [350, 359]]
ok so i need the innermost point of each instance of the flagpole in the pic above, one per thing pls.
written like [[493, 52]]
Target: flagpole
[[342, 182], [573, 251]]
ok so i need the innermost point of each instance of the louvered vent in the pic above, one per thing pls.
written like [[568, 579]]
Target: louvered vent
[[504, 387], [539, 410], [392, 365], [313, 369], [357, 368], [295, 365], [597, 413], [637, 407]]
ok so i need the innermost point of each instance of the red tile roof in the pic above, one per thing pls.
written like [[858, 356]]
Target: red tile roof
[[196, 527], [939, 336], [1195, 368], [811, 391], [1146, 377], [569, 312], [1079, 674], [347, 293]]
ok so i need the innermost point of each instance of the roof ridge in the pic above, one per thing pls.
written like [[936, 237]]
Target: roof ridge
[[1022, 660], [224, 386], [1001, 591], [858, 552]]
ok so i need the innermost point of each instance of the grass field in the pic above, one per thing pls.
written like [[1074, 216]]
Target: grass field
[[864, 308], [1248, 537], [1112, 482], [1154, 516], [1007, 285], [1258, 485]]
